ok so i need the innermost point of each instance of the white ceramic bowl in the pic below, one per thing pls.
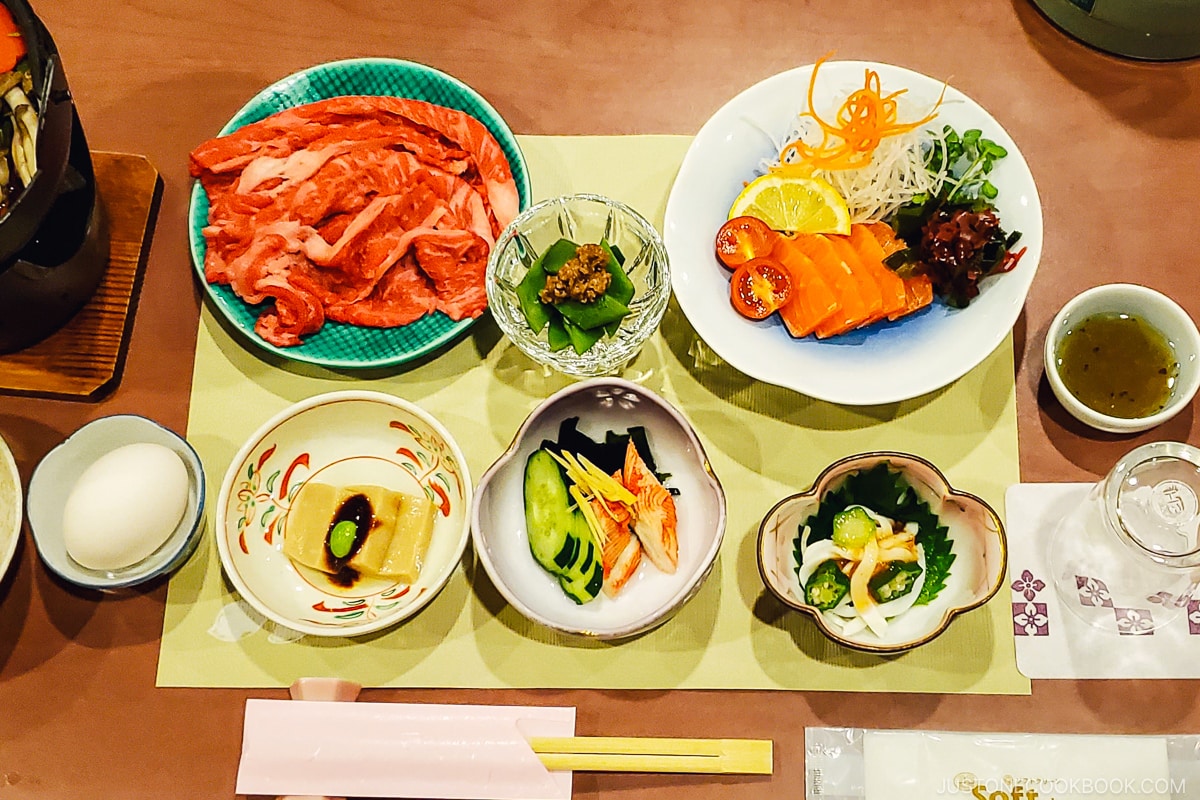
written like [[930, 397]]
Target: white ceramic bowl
[[10, 507], [57, 474], [976, 534], [1157, 310], [651, 597], [342, 438]]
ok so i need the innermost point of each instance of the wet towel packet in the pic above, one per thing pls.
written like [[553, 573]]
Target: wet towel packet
[[856, 764]]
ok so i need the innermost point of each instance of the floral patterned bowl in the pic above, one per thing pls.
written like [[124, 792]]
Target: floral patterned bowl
[[341, 438], [973, 530], [651, 597]]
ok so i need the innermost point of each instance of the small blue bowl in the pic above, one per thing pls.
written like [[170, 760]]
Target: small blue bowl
[[56, 476]]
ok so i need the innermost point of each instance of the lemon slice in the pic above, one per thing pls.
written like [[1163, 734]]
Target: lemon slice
[[793, 203]]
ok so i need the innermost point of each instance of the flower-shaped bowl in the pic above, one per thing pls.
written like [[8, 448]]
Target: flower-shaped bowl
[[347, 438], [974, 531], [584, 219], [651, 597]]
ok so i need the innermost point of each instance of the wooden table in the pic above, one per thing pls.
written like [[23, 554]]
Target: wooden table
[[1113, 145]]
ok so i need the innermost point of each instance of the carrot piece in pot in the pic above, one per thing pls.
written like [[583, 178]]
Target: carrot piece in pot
[[12, 43]]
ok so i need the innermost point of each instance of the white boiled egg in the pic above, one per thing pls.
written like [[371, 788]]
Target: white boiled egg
[[124, 506]]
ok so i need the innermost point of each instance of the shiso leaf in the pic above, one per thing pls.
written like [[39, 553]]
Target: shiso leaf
[[886, 492]]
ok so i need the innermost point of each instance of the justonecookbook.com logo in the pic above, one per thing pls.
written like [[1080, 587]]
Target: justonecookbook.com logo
[[1010, 788]]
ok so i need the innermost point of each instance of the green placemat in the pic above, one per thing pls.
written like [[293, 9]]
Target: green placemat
[[763, 442]]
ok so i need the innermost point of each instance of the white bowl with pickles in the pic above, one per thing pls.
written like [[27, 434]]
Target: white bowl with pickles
[[579, 283], [603, 517]]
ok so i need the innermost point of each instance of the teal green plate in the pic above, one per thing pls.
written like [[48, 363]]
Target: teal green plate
[[336, 344]]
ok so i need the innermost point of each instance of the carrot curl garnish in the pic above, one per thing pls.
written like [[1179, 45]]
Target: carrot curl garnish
[[864, 119]]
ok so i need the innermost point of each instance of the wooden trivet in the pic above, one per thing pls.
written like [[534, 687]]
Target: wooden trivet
[[83, 359]]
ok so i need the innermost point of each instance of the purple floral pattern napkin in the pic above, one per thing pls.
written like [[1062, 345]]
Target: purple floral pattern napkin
[[1051, 642]]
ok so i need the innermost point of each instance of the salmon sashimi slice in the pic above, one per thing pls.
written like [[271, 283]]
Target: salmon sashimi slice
[[864, 283], [872, 282], [885, 235], [836, 274], [871, 253], [812, 301], [918, 289], [654, 520], [919, 293]]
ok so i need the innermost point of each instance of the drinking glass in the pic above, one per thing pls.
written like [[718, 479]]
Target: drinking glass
[[1127, 558]]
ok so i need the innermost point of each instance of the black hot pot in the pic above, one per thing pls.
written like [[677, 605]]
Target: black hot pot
[[53, 237]]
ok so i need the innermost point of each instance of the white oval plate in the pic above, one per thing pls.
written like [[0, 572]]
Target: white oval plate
[[889, 361]]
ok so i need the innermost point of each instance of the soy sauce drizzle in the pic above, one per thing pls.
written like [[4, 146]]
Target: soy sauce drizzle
[[356, 509]]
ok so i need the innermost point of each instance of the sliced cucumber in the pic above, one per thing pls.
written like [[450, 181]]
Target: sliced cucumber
[[559, 536], [549, 519], [583, 580], [584, 561], [584, 588], [566, 557]]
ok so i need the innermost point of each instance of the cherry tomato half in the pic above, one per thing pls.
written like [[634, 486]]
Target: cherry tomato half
[[760, 287], [742, 239]]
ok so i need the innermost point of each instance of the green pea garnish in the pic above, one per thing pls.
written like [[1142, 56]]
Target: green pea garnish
[[341, 538]]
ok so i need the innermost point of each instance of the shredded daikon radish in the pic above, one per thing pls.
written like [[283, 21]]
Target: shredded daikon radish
[[897, 173]]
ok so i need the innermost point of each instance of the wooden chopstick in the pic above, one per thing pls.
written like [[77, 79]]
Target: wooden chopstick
[[620, 754]]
